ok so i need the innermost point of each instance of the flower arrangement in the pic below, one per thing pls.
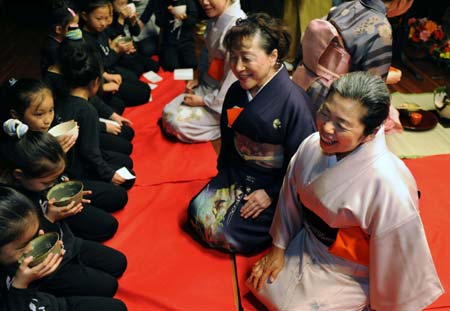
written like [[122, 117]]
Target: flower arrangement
[[425, 33], [429, 36]]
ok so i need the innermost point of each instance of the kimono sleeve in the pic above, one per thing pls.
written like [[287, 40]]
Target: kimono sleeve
[[287, 221], [214, 100], [402, 272]]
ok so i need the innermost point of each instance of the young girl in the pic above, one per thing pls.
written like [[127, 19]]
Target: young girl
[[63, 22], [82, 73], [124, 25], [115, 137], [34, 161], [95, 16], [19, 224], [31, 102]]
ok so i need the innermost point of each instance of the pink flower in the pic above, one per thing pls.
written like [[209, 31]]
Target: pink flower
[[424, 35]]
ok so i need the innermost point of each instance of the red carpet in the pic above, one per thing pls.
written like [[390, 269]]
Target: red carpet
[[168, 270]]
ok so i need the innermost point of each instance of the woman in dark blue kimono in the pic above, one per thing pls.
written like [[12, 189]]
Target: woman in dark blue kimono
[[264, 119]]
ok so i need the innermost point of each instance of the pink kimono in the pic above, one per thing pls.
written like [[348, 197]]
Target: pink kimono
[[373, 191]]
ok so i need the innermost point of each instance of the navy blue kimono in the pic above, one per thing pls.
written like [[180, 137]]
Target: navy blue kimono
[[256, 150]]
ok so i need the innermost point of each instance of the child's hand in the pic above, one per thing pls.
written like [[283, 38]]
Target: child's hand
[[180, 16], [67, 142], [55, 214], [117, 179], [110, 87], [85, 193], [112, 77], [26, 275], [129, 47], [121, 120], [113, 128]]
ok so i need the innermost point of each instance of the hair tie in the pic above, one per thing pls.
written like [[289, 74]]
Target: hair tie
[[72, 12], [14, 127], [12, 81]]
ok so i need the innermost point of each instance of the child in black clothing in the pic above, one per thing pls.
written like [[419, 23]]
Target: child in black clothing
[[63, 22], [124, 25], [35, 161], [19, 224], [95, 15], [178, 43], [31, 102], [82, 73]]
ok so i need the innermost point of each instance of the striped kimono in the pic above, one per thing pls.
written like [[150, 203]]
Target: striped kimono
[[367, 36]]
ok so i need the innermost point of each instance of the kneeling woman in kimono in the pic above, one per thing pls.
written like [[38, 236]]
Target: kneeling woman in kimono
[[347, 234], [265, 117], [195, 116]]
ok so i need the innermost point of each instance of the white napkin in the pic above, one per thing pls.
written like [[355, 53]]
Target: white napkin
[[109, 121], [125, 173], [152, 76], [152, 85], [183, 74]]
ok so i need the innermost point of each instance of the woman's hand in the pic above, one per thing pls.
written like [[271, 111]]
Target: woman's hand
[[267, 267], [55, 214], [190, 85], [117, 179], [121, 120], [67, 142], [193, 100], [113, 128], [257, 201], [26, 275]]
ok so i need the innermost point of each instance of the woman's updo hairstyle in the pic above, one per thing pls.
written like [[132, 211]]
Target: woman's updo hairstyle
[[273, 34], [79, 63], [368, 90]]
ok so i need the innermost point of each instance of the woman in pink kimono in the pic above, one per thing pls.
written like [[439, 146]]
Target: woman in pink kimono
[[195, 116], [347, 233]]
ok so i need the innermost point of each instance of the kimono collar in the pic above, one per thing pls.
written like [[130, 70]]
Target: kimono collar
[[249, 95], [360, 158], [376, 5], [324, 188]]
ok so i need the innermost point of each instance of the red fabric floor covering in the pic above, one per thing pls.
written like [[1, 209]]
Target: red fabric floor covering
[[431, 174], [167, 269]]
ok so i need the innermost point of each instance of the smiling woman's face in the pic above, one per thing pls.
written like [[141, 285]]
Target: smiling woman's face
[[339, 124]]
